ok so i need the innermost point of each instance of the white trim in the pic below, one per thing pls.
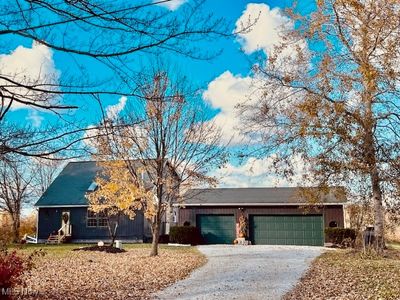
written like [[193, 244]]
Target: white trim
[[37, 224], [60, 206], [252, 204]]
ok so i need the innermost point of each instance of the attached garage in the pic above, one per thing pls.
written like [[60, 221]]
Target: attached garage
[[274, 216], [287, 230], [217, 229]]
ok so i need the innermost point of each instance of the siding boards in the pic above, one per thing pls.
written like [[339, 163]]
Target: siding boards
[[334, 213], [50, 220]]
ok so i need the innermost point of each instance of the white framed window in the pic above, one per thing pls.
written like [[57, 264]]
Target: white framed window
[[96, 219]]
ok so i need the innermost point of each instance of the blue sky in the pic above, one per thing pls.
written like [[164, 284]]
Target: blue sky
[[225, 80]]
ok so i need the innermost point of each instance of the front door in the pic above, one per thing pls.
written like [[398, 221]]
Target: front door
[[65, 223]]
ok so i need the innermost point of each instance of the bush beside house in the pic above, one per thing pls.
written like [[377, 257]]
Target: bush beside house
[[339, 235], [185, 235]]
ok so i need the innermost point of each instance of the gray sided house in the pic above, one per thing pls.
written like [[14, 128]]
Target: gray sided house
[[275, 216], [64, 206]]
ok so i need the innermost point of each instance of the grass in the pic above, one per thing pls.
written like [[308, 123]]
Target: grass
[[393, 245], [347, 274], [129, 275], [65, 248]]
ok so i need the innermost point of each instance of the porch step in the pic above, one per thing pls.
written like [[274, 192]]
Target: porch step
[[53, 239]]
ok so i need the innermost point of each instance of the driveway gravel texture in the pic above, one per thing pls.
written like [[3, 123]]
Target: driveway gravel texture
[[244, 272]]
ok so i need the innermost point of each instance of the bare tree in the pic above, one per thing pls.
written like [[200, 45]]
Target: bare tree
[[45, 171], [330, 92], [167, 143], [15, 191], [112, 33], [21, 182]]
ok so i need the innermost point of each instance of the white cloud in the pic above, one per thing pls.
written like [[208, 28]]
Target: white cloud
[[259, 172], [35, 118], [29, 66], [228, 90], [224, 93], [266, 32], [112, 111], [171, 5]]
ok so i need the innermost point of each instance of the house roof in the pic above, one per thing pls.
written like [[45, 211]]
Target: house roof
[[70, 187], [72, 184], [261, 196]]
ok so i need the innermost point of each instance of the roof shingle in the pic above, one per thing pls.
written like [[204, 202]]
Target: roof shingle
[[70, 187], [246, 196]]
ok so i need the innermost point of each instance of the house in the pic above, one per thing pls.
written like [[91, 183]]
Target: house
[[275, 216], [64, 208]]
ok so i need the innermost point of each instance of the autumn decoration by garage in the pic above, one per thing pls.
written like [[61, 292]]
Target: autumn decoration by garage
[[242, 226]]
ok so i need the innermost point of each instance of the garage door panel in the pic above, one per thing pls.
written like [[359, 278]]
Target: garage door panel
[[290, 234], [288, 226], [287, 230], [217, 229]]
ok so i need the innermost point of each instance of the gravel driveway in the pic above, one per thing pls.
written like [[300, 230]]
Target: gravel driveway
[[244, 272]]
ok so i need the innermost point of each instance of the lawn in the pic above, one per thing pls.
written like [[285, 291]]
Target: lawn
[[66, 274], [394, 245], [346, 274]]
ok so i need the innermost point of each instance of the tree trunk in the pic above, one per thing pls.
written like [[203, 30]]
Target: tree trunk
[[154, 243], [112, 231], [379, 215], [113, 237], [15, 225], [371, 161]]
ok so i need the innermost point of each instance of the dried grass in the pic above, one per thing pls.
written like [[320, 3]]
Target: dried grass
[[350, 275], [98, 275]]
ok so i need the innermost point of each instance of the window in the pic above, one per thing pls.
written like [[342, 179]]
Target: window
[[92, 187], [332, 224], [96, 219], [102, 220]]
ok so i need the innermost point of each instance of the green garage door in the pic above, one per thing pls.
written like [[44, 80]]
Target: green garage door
[[217, 229], [287, 230]]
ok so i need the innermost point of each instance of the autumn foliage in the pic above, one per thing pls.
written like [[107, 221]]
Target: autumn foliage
[[118, 193], [166, 143], [329, 94], [13, 266], [27, 226]]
